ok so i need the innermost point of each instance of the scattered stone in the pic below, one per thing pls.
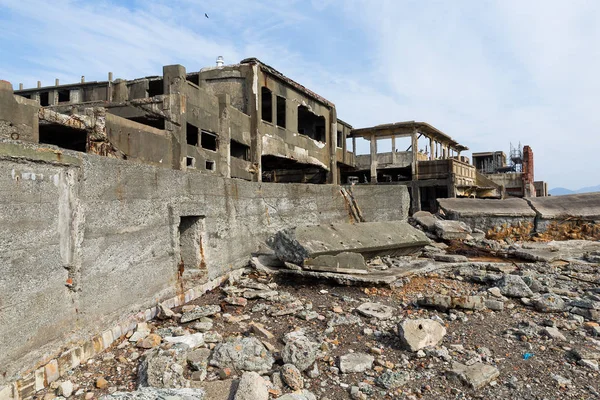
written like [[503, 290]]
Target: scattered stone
[[514, 286], [164, 312], [160, 368], [245, 354], [198, 359], [476, 376], [416, 334], [65, 389], [450, 258], [101, 383], [204, 325], [554, 333], [150, 341], [549, 303], [149, 393], [259, 330], [494, 305], [194, 340], [452, 230], [356, 362], [303, 395], [236, 301], [252, 386], [199, 312], [292, 376], [392, 379], [299, 350], [561, 380], [375, 310]]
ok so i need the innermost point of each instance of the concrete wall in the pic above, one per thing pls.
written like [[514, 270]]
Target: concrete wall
[[559, 209], [18, 115], [86, 240]]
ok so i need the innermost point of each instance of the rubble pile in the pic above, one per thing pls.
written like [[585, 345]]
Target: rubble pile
[[521, 324]]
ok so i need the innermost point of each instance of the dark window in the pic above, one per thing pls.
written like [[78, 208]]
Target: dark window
[[340, 139], [190, 162], [208, 141], [266, 101], [310, 124], [158, 123], [27, 96], [64, 96], [191, 134], [210, 165], [63, 136], [155, 88], [194, 78], [239, 150], [281, 111], [44, 99]]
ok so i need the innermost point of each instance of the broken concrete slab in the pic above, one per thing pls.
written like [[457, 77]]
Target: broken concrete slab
[[297, 244], [426, 220], [417, 334], [477, 375], [346, 262], [452, 230]]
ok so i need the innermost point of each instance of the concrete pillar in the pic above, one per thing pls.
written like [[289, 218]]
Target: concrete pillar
[[393, 149], [224, 136], [415, 152], [332, 138], [430, 149], [255, 136], [373, 142], [120, 93], [174, 81], [415, 197]]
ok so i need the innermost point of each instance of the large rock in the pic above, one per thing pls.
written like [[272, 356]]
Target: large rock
[[452, 230], [149, 393], [416, 334], [295, 245], [299, 350], [245, 354], [356, 362], [375, 310], [514, 286], [477, 375], [252, 386]]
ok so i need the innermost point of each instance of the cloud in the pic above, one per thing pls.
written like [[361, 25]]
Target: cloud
[[486, 72]]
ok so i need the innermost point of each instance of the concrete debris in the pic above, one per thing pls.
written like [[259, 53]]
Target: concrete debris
[[476, 375], [192, 341], [245, 354], [417, 334], [295, 245], [549, 303], [392, 379], [374, 310], [299, 350], [452, 230], [252, 386], [514, 286], [356, 362], [147, 393], [199, 312], [292, 376]]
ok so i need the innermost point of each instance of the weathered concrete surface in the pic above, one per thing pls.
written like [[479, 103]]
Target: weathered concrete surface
[[560, 208], [486, 214], [86, 240], [297, 244], [18, 115]]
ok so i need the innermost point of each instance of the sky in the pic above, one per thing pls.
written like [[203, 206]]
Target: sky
[[488, 73]]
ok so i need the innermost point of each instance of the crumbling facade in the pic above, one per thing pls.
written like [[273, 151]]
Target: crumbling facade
[[516, 177]]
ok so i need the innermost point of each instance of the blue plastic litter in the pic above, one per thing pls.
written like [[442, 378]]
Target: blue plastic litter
[[527, 356]]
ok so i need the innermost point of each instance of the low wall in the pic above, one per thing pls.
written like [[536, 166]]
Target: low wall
[[86, 240], [540, 213]]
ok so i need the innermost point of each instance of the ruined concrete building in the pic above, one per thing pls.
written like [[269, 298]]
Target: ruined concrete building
[[515, 177], [119, 195]]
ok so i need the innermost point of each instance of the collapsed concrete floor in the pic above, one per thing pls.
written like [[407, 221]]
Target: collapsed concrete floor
[[466, 317]]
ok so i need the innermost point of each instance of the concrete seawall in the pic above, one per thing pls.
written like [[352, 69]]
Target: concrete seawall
[[538, 214], [87, 240]]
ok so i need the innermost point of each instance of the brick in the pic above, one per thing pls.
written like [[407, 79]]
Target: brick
[[40, 379], [51, 370]]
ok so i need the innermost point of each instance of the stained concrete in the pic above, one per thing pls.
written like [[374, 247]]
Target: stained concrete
[[86, 240], [297, 244]]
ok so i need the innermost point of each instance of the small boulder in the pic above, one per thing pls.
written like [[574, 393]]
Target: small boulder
[[246, 354], [356, 362], [416, 334], [476, 375], [299, 350], [549, 303], [375, 310], [514, 286], [292, 376], [252, 386]]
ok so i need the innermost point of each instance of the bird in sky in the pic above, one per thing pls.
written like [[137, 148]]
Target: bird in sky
[[206, 15]]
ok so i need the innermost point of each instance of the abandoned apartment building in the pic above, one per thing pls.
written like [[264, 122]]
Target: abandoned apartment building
[[251, 122], [117, 194]]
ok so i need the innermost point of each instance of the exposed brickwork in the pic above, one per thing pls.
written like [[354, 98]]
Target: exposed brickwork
[[527, 165]]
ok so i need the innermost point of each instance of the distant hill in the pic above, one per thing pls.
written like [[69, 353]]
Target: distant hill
[[562, 191]]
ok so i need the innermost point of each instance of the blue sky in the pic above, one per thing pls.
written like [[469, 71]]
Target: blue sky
[[486, 72]]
